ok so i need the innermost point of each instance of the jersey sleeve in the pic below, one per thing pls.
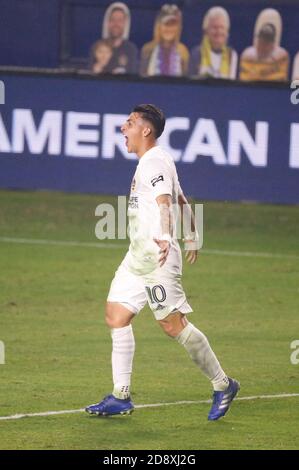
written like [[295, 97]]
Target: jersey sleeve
[[157, 176]]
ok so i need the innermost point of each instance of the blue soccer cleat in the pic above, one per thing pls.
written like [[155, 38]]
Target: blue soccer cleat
[[111, 405], [223, 400]]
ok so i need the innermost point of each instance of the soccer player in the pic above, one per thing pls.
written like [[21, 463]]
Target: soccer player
[[152, 268]]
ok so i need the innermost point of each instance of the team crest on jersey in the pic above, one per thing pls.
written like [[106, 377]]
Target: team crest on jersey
[[156, 179], [133, 184]]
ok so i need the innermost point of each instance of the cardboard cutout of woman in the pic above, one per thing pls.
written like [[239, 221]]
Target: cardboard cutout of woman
[[265, 60], [165, 54]]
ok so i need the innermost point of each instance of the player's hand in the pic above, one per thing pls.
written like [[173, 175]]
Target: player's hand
[[191, 251], [191, 256], [164, 246]]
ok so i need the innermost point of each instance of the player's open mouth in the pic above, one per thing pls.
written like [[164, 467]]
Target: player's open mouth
[[126, 140]]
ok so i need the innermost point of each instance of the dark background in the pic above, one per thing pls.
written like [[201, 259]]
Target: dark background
[[51, 33]]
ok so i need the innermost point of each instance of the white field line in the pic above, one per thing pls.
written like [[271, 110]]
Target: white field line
[[36, 241], [150, 405]]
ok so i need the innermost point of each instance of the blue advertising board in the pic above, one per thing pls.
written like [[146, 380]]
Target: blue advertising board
[[230, 141]]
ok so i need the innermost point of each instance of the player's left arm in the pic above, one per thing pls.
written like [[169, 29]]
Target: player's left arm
[[191, 236], [164, 202]]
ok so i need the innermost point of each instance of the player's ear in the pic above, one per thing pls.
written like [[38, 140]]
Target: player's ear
[[147, 131]]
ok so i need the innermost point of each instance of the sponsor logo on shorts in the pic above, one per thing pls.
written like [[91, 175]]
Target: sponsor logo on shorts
[[160, 307]]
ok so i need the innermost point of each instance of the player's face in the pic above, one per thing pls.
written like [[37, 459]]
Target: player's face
[[133, 131]]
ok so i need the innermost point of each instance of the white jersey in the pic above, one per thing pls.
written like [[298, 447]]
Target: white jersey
[[139, 279], [155, 175]]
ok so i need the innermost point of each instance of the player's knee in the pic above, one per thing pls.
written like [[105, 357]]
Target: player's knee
[[110, 319], [117, 316], [109, 322], [173, 324], [169, 328]]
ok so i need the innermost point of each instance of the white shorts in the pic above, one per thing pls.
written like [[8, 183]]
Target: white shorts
[[162, 290]]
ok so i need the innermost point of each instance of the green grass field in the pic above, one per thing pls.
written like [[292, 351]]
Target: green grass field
[[58, 348]]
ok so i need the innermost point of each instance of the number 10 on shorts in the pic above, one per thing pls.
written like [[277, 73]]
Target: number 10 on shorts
[[156, 294]]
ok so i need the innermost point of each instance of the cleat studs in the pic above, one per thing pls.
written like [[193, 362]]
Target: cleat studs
[[127, 412]]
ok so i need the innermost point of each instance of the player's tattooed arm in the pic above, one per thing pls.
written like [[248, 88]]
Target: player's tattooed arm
[[166, 217], [190, 232]]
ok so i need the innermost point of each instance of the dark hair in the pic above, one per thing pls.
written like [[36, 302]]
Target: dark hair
[[154, 115]]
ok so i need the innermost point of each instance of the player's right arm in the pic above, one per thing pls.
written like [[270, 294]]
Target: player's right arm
[[164, 202]]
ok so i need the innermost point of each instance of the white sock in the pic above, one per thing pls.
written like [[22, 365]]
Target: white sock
[[200, 351], [123, 348]]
